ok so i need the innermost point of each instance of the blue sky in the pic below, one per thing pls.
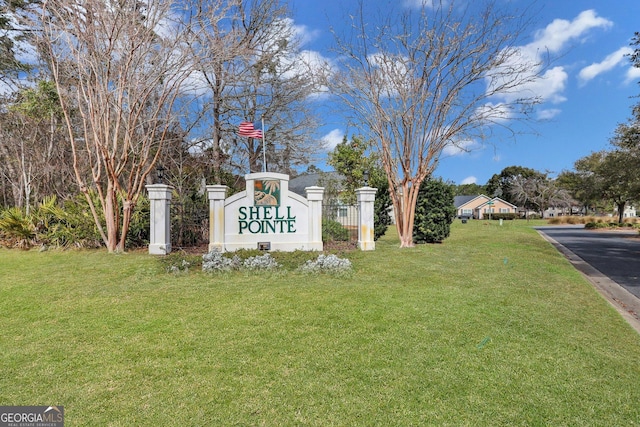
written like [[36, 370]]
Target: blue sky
[[588, 89]]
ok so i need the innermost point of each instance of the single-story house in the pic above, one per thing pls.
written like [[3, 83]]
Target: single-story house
[[479, 207]]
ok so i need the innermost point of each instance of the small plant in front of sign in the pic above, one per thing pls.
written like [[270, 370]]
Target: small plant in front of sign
[[261, 262], [331, 264], [214, 262], [182, 267]]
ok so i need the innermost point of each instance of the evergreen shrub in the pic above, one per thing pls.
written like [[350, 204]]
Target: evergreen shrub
[[435, 212], [333, 231], [504, 216]]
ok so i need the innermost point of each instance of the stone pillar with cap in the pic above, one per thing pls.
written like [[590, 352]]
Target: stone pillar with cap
[[315, 196], [160, 223], [366, 197], [216, 195]]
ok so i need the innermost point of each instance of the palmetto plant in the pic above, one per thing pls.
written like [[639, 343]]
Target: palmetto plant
[[49, 224], [17, 228]]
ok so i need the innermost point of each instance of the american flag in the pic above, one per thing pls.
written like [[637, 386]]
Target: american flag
[[247, 129]]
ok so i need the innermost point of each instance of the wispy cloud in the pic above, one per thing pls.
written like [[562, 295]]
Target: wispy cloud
[[469, 180], [633, 75], [548, 114], [611, 61], [304, 34], [555, 36], [332, 139], [424, 3], [553, 39], [460, 147]]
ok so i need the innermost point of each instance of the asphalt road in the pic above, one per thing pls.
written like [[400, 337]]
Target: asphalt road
[[616, 254]]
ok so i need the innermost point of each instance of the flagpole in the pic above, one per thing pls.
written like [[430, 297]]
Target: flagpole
[[264, 150]]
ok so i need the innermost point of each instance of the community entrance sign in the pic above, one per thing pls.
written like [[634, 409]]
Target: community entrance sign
[[265, 216]]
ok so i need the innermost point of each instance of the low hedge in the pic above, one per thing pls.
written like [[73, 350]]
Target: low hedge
[[505, 216]]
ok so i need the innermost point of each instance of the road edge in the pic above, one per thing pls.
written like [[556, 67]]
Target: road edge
[[622, 300]]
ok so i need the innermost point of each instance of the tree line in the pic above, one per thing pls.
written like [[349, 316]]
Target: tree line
[[112, 90], [97, 94], [599, 183]]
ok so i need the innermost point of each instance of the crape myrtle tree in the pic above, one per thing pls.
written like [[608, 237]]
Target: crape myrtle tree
[[423, 79], [118, 67]]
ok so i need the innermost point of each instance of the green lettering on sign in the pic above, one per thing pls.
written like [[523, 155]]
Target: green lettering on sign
[[265, 220]]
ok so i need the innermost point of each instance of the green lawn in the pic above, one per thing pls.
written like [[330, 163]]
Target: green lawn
[[492, 327]]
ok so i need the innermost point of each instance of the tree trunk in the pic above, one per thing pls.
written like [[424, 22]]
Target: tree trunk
[[110, 208], [127, 211], [405, 206], [621, 211]]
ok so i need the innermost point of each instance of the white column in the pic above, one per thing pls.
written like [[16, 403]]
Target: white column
[[160, 227], [314, 197], [366, 196], [217, 195]]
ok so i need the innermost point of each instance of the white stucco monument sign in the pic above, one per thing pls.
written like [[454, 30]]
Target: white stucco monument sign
[[265, 216]]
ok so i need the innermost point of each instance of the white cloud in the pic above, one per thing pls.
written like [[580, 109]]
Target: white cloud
[[555, 36], [423, 3], [611, 61], [469, 180], [551, 85], [304, 34], [460, 147], [494, 113], [633, 75], [552, 39], [332, 139], [548, 114]]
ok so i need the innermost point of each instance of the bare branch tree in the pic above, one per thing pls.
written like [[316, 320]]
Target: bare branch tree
[[119, 67], [431, 79], [539, 192], [33, 159], [249, 62]]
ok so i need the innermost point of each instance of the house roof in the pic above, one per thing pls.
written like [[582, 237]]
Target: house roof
[[300, 182], [459, 201], [501, 200]]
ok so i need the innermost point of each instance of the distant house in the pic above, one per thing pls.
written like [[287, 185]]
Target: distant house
[[629, 211], [480, 207]]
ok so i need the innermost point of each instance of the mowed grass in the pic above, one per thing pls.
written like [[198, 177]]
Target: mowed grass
[[492, 327]]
